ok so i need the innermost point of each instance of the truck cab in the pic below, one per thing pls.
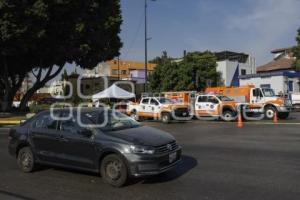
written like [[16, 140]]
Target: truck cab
[[159, 108], [269, 103], [215, 106]]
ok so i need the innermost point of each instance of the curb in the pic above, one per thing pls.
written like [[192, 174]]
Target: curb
[[9, 122]]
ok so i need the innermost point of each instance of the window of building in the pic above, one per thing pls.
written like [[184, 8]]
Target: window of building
[[87, 86], [123, 72], [265, 86], [81, 88], [114, 72], [291, 86], [243, 72]]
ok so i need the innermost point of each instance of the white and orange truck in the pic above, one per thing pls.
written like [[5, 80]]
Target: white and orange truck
[[159, 108], [215, 106], [259, 100]]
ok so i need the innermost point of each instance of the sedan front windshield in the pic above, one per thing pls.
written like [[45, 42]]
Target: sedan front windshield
[[109, 120], [269, 92]]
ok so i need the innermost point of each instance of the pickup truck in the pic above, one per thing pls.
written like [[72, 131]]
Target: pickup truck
[[158, 108], [216, 106]]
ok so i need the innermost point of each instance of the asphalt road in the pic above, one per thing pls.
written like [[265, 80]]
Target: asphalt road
[[260, 161]]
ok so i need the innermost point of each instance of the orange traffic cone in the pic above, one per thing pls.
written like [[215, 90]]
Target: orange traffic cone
[[275, 118], [240, 121]]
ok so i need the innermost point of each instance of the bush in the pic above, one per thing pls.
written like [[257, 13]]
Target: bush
[[37, 108]]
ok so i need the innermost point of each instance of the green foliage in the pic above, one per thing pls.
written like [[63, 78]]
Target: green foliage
[[190, 73], [37, 108], [44, 33], [296, 52], [64, 75]]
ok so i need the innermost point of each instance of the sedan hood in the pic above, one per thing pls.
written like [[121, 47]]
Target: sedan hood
[[144, 135]]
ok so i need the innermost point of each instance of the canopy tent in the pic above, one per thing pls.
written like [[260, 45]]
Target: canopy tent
[[113, 92]]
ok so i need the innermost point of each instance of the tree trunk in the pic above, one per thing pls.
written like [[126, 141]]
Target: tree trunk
[[8, 93], [38, 85], [27, 97], [7, 102]]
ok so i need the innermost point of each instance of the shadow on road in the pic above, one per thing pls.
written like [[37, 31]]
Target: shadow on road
[[17, 196], [187, 164]]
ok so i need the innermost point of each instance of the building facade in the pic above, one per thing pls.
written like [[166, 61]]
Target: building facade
[[231, 65], [121, 69], [277, 74]]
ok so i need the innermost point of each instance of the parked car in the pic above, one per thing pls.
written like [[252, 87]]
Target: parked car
[[216, 106], [118, 149], [160, 108]]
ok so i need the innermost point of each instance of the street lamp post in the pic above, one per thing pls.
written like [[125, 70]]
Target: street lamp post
[[146, 47]]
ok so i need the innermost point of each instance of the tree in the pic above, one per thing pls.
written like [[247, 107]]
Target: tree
[[200, 68], [191, 73], [64, 75], [296, 52], [165, 74], [42, 36]]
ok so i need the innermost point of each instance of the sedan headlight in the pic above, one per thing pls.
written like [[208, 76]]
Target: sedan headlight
[[141, 149]]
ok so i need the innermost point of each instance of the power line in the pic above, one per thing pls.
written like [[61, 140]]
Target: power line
[[135, 35]]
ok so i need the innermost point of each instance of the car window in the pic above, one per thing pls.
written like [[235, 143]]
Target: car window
[[145, 101], [154, 102], [45, 121], [212, 99], [69, 125], [202, 99]]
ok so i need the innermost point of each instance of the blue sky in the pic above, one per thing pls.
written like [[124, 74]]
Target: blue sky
[[250, 26]]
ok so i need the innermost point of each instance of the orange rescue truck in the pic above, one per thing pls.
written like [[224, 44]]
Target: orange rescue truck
[[262, 100], [182, 97]]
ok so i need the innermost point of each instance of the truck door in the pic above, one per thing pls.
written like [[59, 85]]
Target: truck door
[[154, 107], [200, 105], [257, 96], [143, 108], [213, 105]]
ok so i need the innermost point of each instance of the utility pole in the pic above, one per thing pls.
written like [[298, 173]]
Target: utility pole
[[146, 47], [118, 67]]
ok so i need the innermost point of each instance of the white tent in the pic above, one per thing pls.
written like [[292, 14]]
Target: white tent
[[113, 92]]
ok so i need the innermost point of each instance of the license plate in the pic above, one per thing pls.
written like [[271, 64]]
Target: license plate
[[172, 157]]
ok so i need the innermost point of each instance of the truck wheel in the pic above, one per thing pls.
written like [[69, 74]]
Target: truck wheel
[[228, 116], [166, 118], [283, 115], [26, 160], [113, 170], [270, 112]]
